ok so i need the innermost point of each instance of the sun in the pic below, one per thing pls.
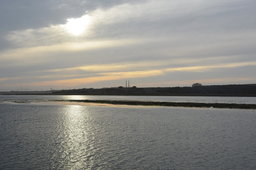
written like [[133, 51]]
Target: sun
[[78, 26]]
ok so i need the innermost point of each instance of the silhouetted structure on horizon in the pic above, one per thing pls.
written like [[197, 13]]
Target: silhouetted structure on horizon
[[127, 84], [248, 90], [198, 90]]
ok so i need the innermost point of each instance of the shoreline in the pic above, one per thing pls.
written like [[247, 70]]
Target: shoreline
[[166, 104], [232, 90]]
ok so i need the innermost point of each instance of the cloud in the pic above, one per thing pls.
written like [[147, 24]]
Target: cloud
[[184, 21], [39, 51], [17, 15], [104, 73], [133, 40]]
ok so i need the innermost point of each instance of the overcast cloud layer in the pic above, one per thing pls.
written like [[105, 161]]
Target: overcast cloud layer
[[150, 43]]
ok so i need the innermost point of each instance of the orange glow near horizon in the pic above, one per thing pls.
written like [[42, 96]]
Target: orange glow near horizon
[[70, 81]]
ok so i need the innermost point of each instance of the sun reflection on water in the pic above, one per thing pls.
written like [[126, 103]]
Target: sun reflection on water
[[76, 97], [76, 148]]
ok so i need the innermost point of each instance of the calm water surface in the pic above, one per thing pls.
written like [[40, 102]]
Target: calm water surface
[[40, 98], [51, 136]]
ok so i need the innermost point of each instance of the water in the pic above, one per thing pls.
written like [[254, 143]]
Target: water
[[40, 98], [59, 136]]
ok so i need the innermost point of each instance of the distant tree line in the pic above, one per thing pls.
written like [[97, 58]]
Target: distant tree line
[[195, 90]]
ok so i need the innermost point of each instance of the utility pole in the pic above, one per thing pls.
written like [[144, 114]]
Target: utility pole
[[127, 83]]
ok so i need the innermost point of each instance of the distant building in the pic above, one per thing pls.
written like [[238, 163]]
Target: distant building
[[197, 85]]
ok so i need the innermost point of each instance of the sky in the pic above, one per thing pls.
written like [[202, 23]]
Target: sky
[[63, 44]]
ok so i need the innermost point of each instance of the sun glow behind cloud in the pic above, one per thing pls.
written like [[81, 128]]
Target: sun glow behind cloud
[[164, 40], [78, 26]]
